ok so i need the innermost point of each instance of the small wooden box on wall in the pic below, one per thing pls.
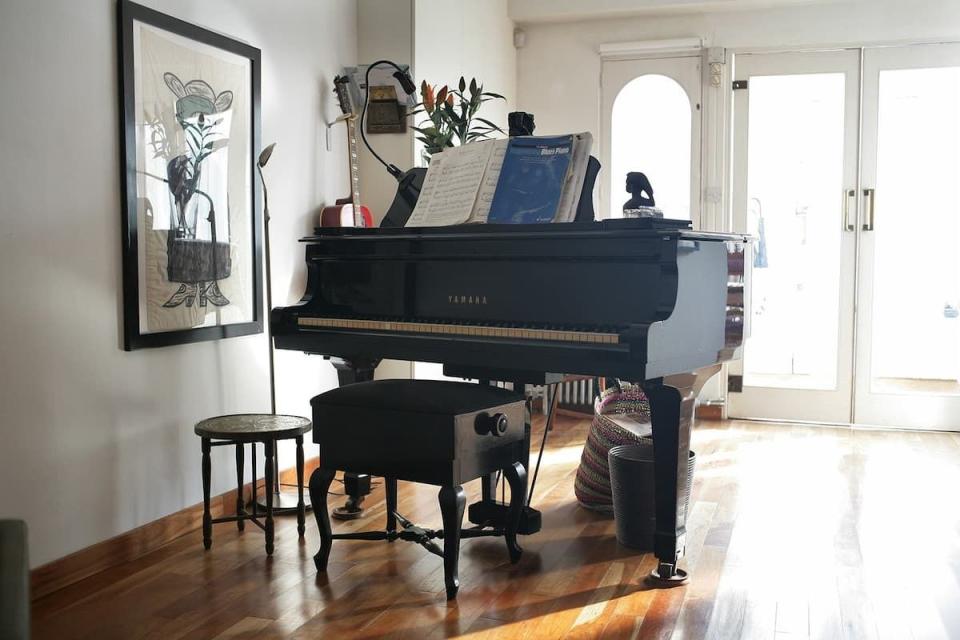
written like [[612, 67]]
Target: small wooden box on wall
[[384, 113]]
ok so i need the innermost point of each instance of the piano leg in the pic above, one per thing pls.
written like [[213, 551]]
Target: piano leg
[[357, 485], [672, 402]]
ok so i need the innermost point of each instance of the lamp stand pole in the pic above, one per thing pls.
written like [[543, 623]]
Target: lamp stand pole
[[283, 502]]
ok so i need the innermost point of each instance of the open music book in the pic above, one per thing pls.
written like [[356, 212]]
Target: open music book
[[516, 180]]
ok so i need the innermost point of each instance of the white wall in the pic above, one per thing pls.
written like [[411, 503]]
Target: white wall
[[470, 39], [567, 10], [96, 441]]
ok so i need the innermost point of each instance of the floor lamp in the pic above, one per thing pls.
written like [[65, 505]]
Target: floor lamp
[[282, 502]]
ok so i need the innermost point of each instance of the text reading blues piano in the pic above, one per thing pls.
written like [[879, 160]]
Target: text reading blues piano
[[646, 300]]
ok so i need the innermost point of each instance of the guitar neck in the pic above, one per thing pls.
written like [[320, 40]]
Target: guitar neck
[[354, 161]]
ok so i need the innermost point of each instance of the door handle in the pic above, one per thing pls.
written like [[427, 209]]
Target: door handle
[[871, 208], [847, 195]]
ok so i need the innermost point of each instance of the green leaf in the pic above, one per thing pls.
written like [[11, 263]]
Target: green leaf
[[451, 114], [463, 84], [493, 95]]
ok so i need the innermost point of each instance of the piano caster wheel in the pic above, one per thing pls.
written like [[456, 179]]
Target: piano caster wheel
[[667, 575], [349, 511], [346, 513]]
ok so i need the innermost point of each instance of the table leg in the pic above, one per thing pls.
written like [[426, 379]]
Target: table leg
[[268, 479], [205, 474], [240, 510], [253, 478], [301, 509]]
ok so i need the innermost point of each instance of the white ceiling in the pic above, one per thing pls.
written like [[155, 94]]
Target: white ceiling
[[529, 11]]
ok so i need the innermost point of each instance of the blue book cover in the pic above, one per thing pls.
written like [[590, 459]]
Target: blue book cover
[[531, 180]]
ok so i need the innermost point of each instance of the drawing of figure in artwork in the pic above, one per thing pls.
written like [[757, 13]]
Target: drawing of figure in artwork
[[198, 248]]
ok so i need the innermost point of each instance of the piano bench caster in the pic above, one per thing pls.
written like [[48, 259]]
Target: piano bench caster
[[667, 575]]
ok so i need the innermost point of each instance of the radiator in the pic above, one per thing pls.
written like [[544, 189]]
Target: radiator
[[576, 395]]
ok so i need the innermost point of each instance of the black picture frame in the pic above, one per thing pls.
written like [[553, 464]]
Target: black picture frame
[[127, 14]]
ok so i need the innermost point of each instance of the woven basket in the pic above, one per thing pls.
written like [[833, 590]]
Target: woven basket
[[592, 484]]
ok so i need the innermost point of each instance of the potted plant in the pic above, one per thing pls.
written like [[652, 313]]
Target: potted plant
[[452, 118]]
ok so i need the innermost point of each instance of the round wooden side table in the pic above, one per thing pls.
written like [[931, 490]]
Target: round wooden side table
[[239, 429]]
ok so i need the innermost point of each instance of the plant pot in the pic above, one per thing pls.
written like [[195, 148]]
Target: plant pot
[[193, 260]]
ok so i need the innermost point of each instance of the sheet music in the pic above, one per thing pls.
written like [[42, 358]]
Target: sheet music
[[570, 198], [488, 186], [450, 188]]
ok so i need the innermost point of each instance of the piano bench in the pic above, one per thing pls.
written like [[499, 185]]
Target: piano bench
[[431, 432]]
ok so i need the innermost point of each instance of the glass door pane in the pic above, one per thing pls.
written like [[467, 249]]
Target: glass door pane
[[918, 184], [794, 176], [651, 132], [909, 350], [795, 151]]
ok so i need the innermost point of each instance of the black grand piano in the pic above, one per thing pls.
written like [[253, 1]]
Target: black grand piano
[[646, 300]]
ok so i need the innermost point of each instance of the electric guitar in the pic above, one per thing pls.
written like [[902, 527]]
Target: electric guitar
[[348, 212]]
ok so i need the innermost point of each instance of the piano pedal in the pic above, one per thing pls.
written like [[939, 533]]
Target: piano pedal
[[494, 514]]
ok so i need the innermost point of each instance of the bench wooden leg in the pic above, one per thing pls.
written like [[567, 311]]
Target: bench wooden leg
[[390, 488], [205, 475], [320, 481], [452, 501], [301, 509], [268, 488], [516, 476], [240, 510]]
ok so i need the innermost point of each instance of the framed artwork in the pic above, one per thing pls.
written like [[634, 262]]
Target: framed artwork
[[190, 132]]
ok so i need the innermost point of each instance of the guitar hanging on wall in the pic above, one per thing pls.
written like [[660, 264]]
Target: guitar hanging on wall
[[348, 212]]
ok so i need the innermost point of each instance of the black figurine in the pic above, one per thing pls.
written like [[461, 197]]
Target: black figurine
[[637, 184], [520, 123]]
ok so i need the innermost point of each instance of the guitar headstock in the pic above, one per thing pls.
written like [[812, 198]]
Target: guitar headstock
[[341, 86]]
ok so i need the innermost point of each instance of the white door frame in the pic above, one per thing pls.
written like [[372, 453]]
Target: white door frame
[[686, 69]]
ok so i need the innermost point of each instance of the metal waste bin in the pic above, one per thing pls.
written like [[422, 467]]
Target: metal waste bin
[[632, 484]]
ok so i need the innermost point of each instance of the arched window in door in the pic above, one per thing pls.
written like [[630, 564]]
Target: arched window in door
[[651, 131]]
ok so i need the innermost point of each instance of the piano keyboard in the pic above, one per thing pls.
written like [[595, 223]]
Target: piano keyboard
[[591, 337]]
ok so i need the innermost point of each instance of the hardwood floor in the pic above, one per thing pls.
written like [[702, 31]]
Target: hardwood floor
[[795, 532]]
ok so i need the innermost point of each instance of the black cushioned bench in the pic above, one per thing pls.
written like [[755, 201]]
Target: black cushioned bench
[[432, 432]]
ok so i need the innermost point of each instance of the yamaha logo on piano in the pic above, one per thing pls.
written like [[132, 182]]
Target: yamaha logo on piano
[[467, 299]]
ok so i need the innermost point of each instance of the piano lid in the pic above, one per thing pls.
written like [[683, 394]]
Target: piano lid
[[561, 229]]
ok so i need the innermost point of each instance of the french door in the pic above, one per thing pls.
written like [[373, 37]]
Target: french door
[[795, 166], [908, 343], [856, 302]]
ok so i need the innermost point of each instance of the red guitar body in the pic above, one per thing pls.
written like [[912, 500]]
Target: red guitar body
[[345, 214]]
